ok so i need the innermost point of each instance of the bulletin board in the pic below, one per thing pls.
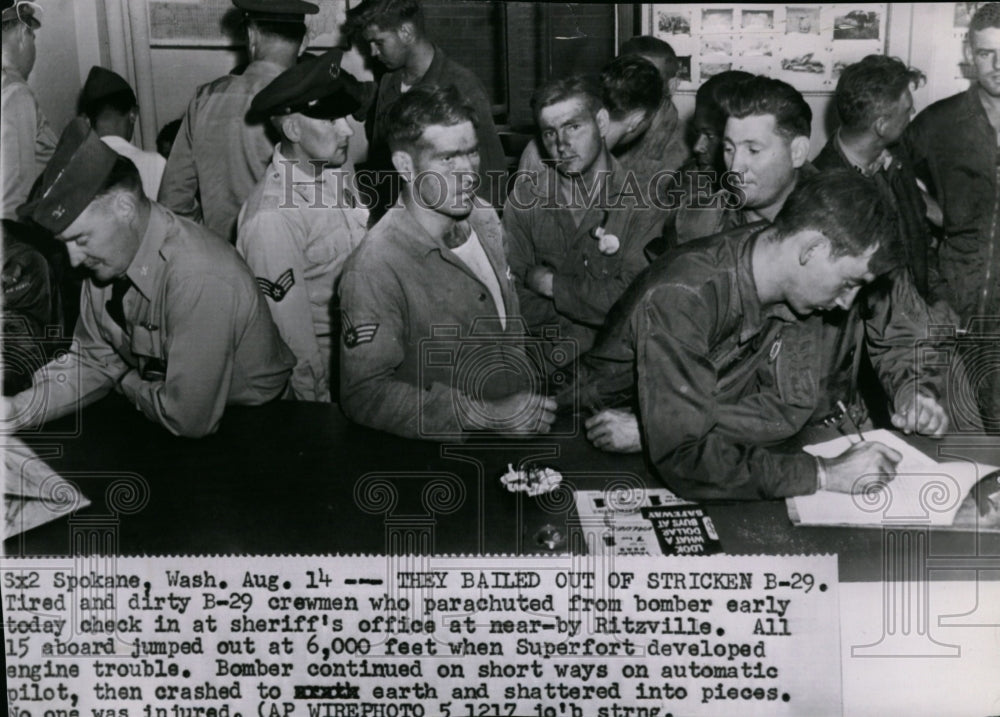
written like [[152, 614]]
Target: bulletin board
[[805, 45]]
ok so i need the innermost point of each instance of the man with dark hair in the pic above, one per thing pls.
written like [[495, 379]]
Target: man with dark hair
[[766, 146], [394, 32], [301, 222], [767, 141], [26, 139], [953, 148], [111, 107], [874, 103], [728, 346], [219, 154], [171, 317], [430, 280], [575, 233], [630, 92], [662, 144]]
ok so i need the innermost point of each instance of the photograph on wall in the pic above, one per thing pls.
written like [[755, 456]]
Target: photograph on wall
[[673, 23], [710, 69], [716, 46], [757, 20], [857, 25], [713, 20], [684, 68], [802, 20]]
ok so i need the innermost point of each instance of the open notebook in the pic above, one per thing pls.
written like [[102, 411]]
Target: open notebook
[[924, 492]]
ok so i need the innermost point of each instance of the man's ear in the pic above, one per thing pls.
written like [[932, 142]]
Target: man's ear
[[673, 84], [603, 121], [403, 162], [879, 125], [124, 204], [810, 245], [290, 128], [407, 33], [800, 151]]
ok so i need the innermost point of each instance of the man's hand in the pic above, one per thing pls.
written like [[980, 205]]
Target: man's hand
[[614, 431], [521, 414], [919, 412], [860, 466], [539, 280]]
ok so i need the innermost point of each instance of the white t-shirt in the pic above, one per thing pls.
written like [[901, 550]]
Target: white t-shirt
[[473, 256]]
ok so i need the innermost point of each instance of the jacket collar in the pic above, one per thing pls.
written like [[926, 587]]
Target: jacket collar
[[755, 315]]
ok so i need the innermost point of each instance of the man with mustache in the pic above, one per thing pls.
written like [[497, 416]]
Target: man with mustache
[[302, 221]]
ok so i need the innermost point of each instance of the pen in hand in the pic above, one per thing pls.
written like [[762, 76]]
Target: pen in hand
[[842, 407]]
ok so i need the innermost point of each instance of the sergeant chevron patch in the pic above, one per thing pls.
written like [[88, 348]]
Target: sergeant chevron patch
[[276, 290], [357, 335]]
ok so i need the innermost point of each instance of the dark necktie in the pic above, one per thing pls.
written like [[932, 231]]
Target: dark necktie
[[114, 306]]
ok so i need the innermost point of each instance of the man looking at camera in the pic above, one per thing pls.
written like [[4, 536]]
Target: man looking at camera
[[432, 343], [171, 317], [558, 224]]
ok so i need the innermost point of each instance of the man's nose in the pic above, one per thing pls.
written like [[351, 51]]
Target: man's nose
[[845, 300], [76, 254]]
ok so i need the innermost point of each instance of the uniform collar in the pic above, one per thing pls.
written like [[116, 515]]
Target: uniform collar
[[402, 223], [149, 260], [330, 182]]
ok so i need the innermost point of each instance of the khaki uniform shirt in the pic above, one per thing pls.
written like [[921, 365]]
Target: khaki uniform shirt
[[295, 232], [218, 158], [198, 337]]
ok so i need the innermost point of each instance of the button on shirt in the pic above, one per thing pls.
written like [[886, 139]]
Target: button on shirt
[[198, 336], [26, 140], [295, 232], [421, 335], [218, 158]]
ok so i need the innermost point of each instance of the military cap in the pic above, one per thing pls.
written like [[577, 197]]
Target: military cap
[[316, 87], [277, 10], [72, 178], [102, 83], [26, 12]]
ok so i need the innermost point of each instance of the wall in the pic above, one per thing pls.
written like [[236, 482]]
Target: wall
[[73, 39]]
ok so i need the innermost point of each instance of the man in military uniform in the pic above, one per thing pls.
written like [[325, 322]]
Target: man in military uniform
[[218, 156], [111, 107], [432, 343], [766, 141], [301, 222], [395, 34], [26, 140], [725, 338], [171, 318], [576, 232]]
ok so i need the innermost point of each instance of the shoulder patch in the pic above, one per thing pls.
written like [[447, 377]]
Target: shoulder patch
[[357, 335], [276, 290]]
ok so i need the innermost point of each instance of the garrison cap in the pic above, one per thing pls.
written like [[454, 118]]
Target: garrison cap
[[277, 10], [26, 12], [102, 83], [72, 178], [316, 87]]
